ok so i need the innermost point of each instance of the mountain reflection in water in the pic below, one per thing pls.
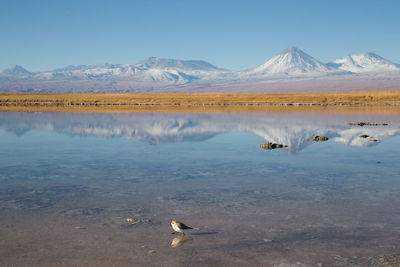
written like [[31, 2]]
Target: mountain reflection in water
[[292, 130]]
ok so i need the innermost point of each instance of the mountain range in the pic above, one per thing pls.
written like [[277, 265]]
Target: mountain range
[[169, 74]]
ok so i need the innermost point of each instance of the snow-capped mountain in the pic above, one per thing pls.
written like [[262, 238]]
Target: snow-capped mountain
[[291, 61], [364, 62]]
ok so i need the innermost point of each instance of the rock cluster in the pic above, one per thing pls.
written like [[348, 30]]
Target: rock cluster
[[362, 123], [371, 139], [270, 146]]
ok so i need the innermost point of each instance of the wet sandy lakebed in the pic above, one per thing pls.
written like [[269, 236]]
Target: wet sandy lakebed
[[70, 181]]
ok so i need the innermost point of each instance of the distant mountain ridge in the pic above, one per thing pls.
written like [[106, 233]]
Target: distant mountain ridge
[[151, 69], [16, 71], [364, 62], [163, 72], [191, 65]]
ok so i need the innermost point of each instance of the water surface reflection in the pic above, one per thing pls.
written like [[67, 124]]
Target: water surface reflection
[[101, 189]]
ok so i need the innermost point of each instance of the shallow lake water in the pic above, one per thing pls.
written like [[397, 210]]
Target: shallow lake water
[[70, 181]]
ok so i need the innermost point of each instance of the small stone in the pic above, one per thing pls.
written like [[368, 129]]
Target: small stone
[[266, 240], [151, 251], [131, 220]]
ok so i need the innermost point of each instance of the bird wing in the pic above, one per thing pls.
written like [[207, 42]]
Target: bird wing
[[184, 226]]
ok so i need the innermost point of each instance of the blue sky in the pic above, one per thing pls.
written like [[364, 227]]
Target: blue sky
[[43, 35]]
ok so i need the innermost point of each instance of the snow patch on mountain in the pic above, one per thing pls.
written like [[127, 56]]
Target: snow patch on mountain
[[184, 65]]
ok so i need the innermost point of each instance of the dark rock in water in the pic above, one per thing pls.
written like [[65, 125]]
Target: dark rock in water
[[319, 138], [362, 123], [270, 146], [371, 139]]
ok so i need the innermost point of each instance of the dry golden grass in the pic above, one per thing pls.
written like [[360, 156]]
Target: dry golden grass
[[377, 109], [220, 98], [214, 102]]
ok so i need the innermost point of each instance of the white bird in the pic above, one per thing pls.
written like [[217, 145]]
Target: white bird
[[179, 227]]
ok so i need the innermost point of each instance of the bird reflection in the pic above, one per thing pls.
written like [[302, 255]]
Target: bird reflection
[[179, 241]]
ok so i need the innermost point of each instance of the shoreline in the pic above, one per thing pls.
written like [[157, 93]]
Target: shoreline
[[144, 102]]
